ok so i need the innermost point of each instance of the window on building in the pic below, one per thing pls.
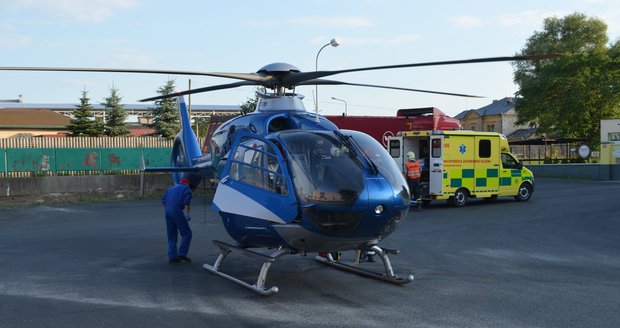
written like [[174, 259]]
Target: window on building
[[490, 127], [472, 127]]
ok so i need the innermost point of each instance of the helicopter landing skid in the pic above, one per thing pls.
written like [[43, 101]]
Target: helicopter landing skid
[[259, 286], [388, 276]]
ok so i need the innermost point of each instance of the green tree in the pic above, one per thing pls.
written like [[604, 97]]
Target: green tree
[[250, 104], [569, 96], [83, 122], [202, 126], [115, 124], [165, 114]]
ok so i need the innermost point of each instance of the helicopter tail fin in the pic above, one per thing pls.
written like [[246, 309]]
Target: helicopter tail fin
[[187, 160]]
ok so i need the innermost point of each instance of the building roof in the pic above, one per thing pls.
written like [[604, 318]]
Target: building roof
[[497, 107], [463, 114], [522, 134], [32, 118], [140, 131]]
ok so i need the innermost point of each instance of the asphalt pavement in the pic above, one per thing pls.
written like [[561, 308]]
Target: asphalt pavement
[[551, 262]]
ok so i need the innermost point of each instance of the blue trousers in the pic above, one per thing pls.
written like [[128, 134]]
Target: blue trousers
[[176, 224]]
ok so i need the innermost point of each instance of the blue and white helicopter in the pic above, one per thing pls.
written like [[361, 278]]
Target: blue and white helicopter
[[289, 180]]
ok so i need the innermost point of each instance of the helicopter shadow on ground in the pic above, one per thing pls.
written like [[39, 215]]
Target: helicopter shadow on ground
[[294, 274]]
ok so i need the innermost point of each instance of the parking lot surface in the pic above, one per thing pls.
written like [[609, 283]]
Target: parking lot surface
[[551, 262]]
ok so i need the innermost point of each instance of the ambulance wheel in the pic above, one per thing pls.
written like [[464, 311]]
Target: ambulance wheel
[[460, 197], [524, 193]]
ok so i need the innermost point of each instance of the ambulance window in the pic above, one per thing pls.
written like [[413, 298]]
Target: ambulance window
[[484, 148], [509, 162], [436, 148], [395, 148]]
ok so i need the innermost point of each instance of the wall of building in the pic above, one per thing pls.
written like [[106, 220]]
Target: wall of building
[[509, 121], [471, 119], [495, 120], [610, 130]]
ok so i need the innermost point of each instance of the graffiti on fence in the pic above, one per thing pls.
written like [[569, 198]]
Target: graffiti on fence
[[80, 159]]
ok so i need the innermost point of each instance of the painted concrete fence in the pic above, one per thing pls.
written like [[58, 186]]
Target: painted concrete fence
[[80, 159], [28, 157], [600, 172]]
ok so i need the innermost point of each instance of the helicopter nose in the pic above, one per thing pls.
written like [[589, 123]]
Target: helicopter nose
[[386, 207], [382, 196]]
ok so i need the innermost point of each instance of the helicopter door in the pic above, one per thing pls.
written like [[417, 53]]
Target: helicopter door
[[436, 166], [255, 182]]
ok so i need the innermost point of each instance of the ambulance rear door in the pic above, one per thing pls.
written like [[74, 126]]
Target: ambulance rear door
[[436, 165], [487, 166], [395, 148]]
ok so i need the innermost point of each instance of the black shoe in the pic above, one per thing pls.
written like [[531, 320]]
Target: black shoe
[[370, 256], [183, 259], [174, 260]]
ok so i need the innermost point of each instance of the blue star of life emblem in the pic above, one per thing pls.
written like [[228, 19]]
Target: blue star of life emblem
[[462, 149]]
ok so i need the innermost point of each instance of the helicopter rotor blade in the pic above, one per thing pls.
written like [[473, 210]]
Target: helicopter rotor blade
[[240, 76], [296, 79], [332, 82], [283, 76], [199, 90]]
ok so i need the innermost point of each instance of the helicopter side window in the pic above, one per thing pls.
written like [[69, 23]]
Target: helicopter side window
[[255, 163], [218, 156]]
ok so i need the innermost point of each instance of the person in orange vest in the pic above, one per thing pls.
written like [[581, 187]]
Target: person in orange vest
[[413, 175]]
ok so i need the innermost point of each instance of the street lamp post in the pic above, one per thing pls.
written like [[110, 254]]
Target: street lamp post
[[345, 104], [334, 43]]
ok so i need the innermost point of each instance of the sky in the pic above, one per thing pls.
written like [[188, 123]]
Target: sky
[[243, 36]]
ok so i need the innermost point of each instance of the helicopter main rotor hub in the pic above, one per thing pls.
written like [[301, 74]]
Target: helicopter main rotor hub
[[277, 71]]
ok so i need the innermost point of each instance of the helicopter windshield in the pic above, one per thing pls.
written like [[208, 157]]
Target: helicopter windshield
[[325, 170], [381, 160]]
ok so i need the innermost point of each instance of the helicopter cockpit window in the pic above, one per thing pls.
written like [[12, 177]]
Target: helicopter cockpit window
[[324, 169], [382, 160], [255, 163]]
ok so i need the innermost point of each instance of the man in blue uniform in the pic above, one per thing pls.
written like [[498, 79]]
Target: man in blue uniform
[[176, 202]]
